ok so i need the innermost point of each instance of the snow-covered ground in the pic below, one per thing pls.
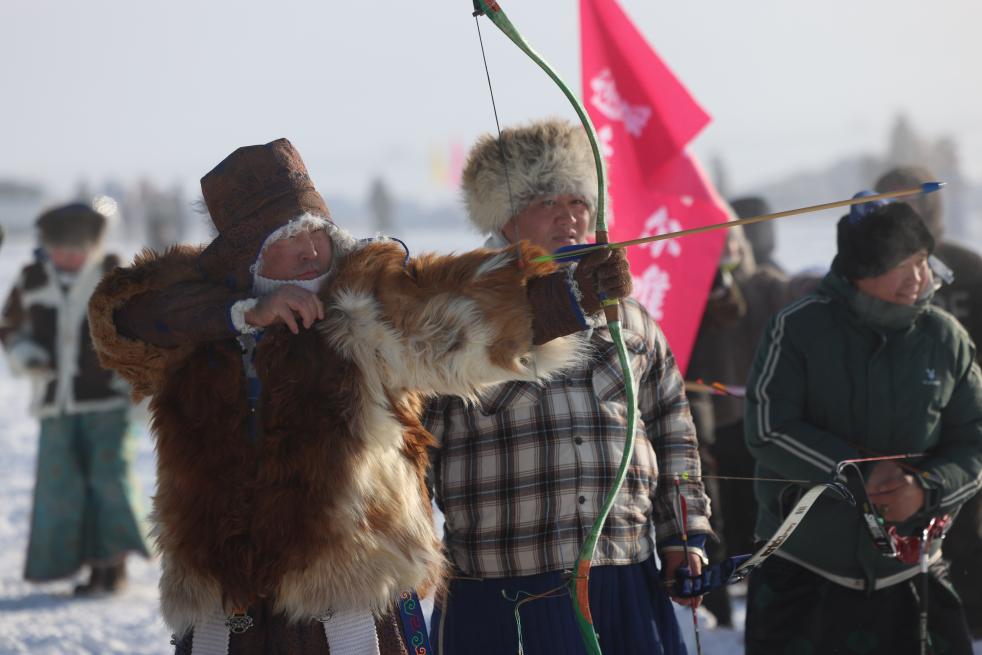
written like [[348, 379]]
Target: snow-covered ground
[[45, 620]]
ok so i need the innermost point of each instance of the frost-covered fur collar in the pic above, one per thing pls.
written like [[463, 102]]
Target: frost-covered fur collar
[[342, 244]]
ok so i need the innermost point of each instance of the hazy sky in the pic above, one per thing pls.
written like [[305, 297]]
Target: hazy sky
[[134, 88]]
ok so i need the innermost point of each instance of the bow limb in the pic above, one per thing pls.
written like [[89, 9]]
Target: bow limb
[[579, 585], [496, 15]]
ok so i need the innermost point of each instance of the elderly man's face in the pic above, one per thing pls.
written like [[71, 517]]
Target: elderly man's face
[[903, 284], [303, 256], [551, 222]]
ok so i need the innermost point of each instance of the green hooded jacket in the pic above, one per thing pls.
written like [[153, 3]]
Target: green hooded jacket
[[841, 375]]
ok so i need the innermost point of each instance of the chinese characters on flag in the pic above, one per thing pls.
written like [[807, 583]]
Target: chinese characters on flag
[[645, 118]]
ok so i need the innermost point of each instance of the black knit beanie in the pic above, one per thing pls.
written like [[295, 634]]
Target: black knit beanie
[[875, 237]]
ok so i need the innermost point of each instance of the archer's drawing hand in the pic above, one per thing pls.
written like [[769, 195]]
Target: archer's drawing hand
[[897, 494], [603, 274], [285, 305], [671, 560]]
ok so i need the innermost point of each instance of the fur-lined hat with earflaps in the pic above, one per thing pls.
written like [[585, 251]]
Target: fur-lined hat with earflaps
[[543, 158]]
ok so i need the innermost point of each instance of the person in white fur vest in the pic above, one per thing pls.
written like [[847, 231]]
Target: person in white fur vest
[[86, 509], [522, 474], [287, 363]]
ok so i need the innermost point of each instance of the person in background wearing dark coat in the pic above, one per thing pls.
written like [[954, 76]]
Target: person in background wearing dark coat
[[86, 509], [761, 236], [742, 300], [963, 299], [864, 366]]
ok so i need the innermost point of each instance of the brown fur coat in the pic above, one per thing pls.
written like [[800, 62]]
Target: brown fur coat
[[328, 507]]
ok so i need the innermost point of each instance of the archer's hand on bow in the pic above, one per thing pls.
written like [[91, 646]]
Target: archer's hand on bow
[[562, 300], [602, 275], [896, 493], [674, 565]]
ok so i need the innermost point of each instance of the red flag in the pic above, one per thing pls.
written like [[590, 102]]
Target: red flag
[[627, 84], [644, 118]]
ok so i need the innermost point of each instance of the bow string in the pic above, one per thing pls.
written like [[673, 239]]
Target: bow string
[[579, 584]]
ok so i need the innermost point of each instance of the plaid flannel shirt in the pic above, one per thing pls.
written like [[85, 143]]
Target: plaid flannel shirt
[[521, 476]]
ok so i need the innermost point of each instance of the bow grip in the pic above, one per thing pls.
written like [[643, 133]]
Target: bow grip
[[712, 577], [611, 312]]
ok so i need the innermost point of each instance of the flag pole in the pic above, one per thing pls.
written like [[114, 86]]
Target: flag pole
[[928, 187]]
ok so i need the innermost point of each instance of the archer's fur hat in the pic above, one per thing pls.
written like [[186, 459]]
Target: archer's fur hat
[[875, 237], [544, 158], [75, 225]]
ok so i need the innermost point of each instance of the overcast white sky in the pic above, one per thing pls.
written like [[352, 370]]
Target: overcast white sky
[[127, 89]]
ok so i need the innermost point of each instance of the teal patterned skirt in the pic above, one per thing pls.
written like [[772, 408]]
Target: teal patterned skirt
[[86, 499]]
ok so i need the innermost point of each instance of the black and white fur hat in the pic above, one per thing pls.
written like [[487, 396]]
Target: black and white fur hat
[[543, 158]]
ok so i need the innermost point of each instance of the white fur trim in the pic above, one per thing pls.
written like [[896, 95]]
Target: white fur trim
[[264, 285], [342, 243], [237, 314], [302, 223]]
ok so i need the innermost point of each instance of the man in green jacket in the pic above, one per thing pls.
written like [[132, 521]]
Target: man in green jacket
[[864, 366]]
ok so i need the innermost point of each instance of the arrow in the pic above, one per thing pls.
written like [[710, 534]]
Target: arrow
[[577, 251]]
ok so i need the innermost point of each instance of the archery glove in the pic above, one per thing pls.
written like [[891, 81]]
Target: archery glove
[[602, 274], [562, 300]]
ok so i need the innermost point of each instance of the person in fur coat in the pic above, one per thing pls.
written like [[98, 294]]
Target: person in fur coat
[[287, 363], [86, 508]]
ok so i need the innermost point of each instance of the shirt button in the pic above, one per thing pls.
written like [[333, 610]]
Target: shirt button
[[582, 500], [578, 441]]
